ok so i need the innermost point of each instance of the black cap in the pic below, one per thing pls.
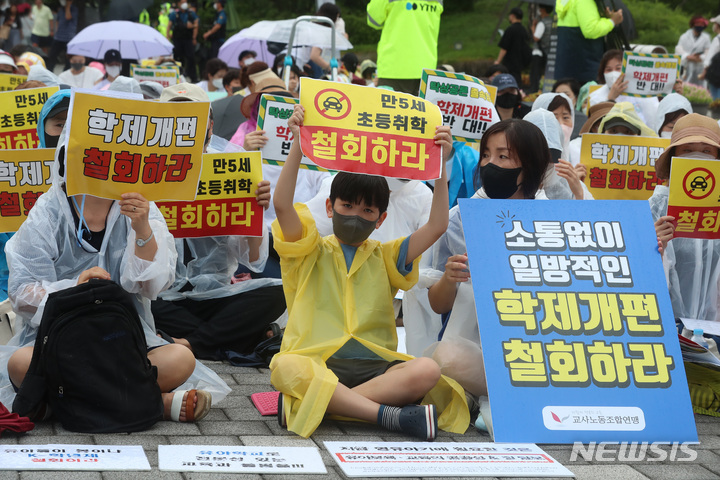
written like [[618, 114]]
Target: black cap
[[112, 55]]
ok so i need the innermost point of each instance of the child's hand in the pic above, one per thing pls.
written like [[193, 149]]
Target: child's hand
[[565, 170], [255, 140], [262, 194], [444, 139], [296, 120], [665, 230], [456, 269]]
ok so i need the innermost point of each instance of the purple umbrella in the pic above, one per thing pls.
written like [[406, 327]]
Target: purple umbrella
[[133, 40]]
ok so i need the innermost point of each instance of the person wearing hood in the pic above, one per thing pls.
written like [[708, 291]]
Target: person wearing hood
[[508, 100], [692, 47], [203, 310], [614, 84], [622, 119], [79, 75], [580, 33], [113, 66], [561, 181], [671, 109], [692, 265], [67, 241], [514, 158]]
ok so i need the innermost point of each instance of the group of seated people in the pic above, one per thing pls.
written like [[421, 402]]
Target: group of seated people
[[335, 251]]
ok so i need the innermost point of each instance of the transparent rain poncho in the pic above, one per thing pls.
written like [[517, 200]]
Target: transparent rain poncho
[[44, 257], [692, 268], [670, 104]]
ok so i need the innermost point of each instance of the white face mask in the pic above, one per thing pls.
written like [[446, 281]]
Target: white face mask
[[567, 133], [697, 156], [184, 6], [218, 83], [112, 71], [249, 61], [611, 77], [665, 134]]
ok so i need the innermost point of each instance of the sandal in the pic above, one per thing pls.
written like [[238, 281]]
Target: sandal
[[204, 401]]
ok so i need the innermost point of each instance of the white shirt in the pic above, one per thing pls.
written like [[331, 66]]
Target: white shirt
[[85, 79]]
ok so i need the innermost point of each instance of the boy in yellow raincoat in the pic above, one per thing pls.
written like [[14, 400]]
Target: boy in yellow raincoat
[[339, 351]]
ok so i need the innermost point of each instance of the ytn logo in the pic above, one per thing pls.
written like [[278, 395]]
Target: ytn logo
[[422, 6]]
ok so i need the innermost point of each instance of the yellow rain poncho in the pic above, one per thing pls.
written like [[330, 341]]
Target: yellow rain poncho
[[328, 306], [626, 111]]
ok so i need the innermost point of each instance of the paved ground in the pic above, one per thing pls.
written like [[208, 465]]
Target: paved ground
[[236, 422]]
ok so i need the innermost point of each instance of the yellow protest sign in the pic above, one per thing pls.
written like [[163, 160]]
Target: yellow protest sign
[[621, 167], [225, 202], [695, 197], [165, 75], [24, 176], [120, 145], [20, 113], [8, 81], [369, 130]]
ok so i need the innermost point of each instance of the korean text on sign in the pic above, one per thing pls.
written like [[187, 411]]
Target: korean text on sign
[[372, 131], [24, 176], [650, 75], [695, 198], [19, 113], [225, 203], [119, 145], [9, 81], [165, 76], [465, 102], [621, 167], [578, 310], [273, 117]]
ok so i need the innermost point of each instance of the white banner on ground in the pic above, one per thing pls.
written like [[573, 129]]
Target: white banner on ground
[[451, 459], [237, 459], [73, 457]]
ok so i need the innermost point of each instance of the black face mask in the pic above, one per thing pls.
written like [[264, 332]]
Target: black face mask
[[51, 141], [507, 100], [698, 30], [499, 182]]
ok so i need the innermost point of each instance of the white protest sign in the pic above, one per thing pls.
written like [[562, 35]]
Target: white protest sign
[[273, 116], [73, 457], [164, 75], [466, 103], [235, 459], [451, 459], [650, 74]]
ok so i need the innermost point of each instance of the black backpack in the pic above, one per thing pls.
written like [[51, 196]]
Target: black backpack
[[90, 363]]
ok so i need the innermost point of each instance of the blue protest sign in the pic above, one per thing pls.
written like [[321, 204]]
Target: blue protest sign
[[578, 334]]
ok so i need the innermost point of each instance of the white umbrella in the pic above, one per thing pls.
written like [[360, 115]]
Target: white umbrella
[[308, 34], [256, 37], [133, 40]]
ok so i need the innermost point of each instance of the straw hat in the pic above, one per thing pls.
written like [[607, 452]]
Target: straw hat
[[595, 114], [269, 84], [692, 128]]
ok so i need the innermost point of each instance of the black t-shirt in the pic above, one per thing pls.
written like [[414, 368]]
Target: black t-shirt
[[515, 41]]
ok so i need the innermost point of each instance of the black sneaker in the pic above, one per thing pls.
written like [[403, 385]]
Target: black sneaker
[[281, 413], [420, 421]]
